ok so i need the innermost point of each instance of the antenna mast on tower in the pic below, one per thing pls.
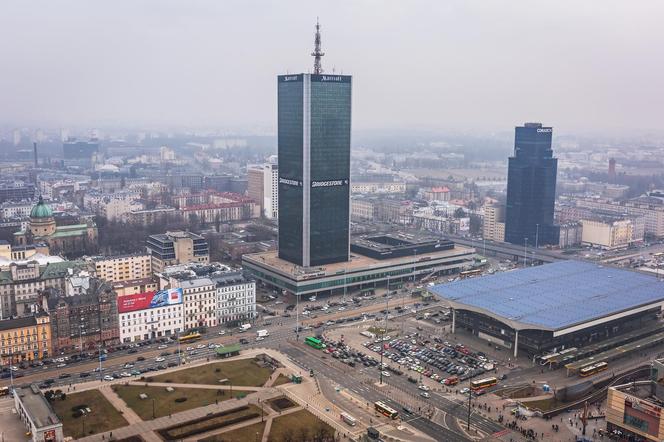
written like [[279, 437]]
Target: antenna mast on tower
[[317, 53]]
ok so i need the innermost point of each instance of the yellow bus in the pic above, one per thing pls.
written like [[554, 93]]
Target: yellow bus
[[191, 337], [481, 384], [386, 410], [590, 370]]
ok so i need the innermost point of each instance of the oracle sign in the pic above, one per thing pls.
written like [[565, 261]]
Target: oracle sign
[[142, 301]]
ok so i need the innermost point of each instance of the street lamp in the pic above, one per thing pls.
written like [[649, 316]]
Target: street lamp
[[525, 249]]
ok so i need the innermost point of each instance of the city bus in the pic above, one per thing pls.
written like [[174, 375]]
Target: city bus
[[191, 337], [386, 410], [314, 342], [350, 420], [590, 370], [469, 273], [481, 384]]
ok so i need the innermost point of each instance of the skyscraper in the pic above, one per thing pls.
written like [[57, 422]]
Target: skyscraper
[[531, 188], [314, 118]]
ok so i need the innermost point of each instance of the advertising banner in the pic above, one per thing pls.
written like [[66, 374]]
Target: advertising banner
[[142, 301]]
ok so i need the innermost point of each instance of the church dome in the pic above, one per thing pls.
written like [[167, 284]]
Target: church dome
[[41, 210]]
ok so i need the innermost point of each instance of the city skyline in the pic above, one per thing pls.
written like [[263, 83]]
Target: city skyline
[[445, 69]]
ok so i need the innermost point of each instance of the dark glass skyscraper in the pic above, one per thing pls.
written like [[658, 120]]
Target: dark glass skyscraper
[[531, 188], [314, 119]]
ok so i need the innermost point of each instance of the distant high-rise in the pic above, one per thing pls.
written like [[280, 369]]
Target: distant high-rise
[[612, 170], [263, 187], [314, 119], [531, 188]]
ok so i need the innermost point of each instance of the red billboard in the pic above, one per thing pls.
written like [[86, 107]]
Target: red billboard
[[142, 301]]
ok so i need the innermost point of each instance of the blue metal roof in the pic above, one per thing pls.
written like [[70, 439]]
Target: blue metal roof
[[554, 296]]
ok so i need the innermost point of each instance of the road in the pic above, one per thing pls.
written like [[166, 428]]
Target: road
[[282, 337]]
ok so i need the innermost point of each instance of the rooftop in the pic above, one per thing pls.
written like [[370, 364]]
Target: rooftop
[[37, 406], [357, 263], [11, 324], [554, 296]]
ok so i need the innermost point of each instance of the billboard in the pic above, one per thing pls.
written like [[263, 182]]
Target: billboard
[[142, 301]]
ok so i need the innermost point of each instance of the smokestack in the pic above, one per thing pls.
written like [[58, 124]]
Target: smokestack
[[34, 146]]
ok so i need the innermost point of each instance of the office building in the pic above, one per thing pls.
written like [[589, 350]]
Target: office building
[[610, 232], [314, 127], [16, 191], [173, 248], [531, 188], [263, 188], [79, 153], [36, 413]]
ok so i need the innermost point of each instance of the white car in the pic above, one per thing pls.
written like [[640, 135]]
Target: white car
[[160, 359], [426, 395], [128, 365], [109, 378], [260, 338], [161, 347], [125, 374], [61, 365], [341, 309], [424, 387], [464, 390], [190, 348], [222, 333], [199, 346], [386, 373]]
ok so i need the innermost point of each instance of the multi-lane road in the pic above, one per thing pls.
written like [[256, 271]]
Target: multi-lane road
[[282, 337]]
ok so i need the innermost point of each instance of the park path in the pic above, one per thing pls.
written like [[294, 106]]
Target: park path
[[130, 415], [144, 428], [275, 376], [201, 386]]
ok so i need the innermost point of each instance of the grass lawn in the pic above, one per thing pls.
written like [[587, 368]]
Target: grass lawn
[[300, 425], [281, 380], [103, 417], [239, 372], [244, 434], [209, 423], [164, 401]]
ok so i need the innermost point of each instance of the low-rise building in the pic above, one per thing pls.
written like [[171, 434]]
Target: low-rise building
[[37, 415], [25, 339], [133, 286], [213, 294], [635, 411], [493, 228], [83, 322], [150, 315], [123, 267], [172, 248], [571, 234], [609, 232], [21, 284]]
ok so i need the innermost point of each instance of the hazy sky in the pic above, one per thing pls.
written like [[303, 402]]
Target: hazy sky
[[441, 64]]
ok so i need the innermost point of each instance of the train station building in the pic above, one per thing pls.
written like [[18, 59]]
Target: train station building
[[374, 260], [567, 304]]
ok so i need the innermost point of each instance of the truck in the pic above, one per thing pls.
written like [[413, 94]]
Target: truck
[[262, 334], [245, 327]]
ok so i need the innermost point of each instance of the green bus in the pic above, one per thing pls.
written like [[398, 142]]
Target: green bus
[[314, 342]]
